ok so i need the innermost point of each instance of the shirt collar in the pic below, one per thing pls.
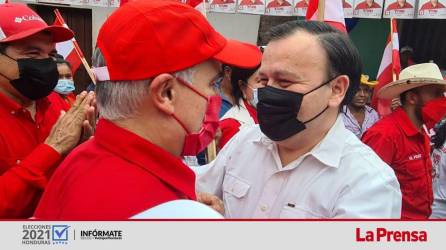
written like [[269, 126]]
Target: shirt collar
[[328, 151], [13, 106], [404, 122], [150, 157]]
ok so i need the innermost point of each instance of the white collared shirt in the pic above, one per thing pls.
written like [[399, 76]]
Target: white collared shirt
[[339, 178]]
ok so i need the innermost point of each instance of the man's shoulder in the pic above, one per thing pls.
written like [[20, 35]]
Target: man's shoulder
[[360, 160], [387, 125]]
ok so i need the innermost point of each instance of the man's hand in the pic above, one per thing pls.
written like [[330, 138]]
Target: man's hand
[[212, 201], [89, 124], [395, 103], [66, 133]]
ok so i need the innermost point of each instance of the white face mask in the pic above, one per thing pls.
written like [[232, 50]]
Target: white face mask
[[255, 97]]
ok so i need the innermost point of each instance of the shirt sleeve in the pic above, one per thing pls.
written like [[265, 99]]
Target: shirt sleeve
[[229, 127], [19, 183], [373, 194]]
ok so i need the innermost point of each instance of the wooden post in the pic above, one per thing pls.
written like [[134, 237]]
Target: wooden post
[[321, 10], [211, 151]]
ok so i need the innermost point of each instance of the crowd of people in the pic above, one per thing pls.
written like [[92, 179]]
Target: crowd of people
[[295, 133]]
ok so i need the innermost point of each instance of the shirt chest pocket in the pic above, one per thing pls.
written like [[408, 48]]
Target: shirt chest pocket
[[235, 191], [298, 212]]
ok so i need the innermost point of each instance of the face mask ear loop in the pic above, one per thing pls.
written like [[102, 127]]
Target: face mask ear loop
[[320, 86], [316, 115]]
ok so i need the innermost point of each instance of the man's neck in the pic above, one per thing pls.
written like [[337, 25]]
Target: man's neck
[[413, 117], [22, 102], [356, 109], [301, 146]]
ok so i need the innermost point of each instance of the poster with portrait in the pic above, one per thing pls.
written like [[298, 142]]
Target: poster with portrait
[[251, 6], [432, 9], [279, 7], [223, 6], [399, 9], [347, 5], [368, 8], [300, 7], [116, 3]]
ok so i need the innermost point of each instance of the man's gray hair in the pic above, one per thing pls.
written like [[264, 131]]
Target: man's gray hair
[[118, 100]]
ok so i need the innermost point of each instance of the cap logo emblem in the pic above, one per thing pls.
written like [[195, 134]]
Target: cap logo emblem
[[27, 18]]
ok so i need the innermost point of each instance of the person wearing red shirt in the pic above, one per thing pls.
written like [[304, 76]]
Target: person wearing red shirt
[[302, 4], [432, 4], [152, 112], [65, 86], [400, 140], [278, 4], [251, 2], [399, 4], [33, 133], [245, 83], [367, 4]]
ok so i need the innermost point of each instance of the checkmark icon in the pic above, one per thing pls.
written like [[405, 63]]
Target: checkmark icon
[[60, 232]]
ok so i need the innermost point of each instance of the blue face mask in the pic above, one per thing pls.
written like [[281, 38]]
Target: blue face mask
[[255, 97], [64, 86]]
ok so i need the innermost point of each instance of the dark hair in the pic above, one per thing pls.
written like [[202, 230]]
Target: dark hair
[[239, 74], [440, 134], [63, 61], [342, 55]]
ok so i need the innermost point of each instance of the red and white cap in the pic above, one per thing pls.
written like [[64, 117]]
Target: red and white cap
[[18, 21], [143, 39]]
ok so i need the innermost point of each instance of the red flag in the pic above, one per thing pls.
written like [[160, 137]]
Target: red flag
[[199, 5], [68, 49], [333, 13], [389, 70]]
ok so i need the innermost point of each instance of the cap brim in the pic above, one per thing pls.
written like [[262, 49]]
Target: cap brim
[[370, 84], [394, 89], [239, 54], [59, 34]]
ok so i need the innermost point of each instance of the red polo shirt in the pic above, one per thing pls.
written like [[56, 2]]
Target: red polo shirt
[[396, 140], [115, 175], [364, 5], [25, 162]]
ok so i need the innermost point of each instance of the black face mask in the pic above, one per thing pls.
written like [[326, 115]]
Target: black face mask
[[277, 112], [37, 77]]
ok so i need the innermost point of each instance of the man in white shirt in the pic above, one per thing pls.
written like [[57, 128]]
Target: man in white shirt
[[301, 162]]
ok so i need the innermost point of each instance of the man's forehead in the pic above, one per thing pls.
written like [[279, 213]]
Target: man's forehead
[[296, 51]]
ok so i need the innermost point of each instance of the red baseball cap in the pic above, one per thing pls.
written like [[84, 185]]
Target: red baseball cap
[[143, 39], [18, 21]]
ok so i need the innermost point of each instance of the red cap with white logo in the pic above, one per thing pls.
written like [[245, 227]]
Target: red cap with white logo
[[18, 21]]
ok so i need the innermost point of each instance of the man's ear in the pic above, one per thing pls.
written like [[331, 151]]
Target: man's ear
[[162, 93], [339, 87]]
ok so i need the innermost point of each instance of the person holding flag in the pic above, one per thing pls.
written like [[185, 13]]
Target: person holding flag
[[35, 131], [400, 140]]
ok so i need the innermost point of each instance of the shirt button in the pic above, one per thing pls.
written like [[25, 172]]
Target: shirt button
[[17, 162], [38, 126], [13, 112], [264, 208]]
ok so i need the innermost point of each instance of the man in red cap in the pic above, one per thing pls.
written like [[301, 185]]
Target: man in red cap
[[33, 134], [156, 63]]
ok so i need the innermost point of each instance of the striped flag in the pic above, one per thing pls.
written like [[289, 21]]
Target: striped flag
[[70, 49], [389, 70], [330, 12], [199, 5], [67, 48]]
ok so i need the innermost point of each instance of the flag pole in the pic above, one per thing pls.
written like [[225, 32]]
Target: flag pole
[[320, 10], [77, 48], [391, 40]]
